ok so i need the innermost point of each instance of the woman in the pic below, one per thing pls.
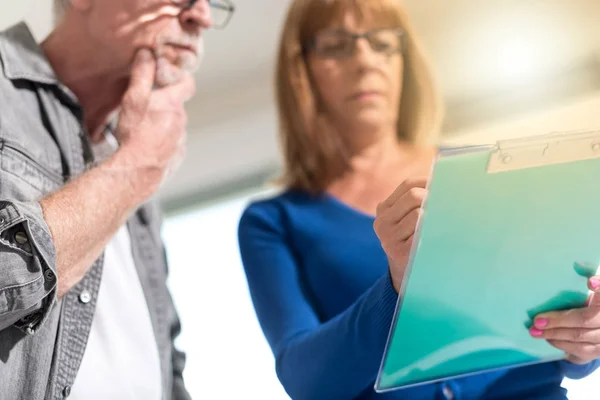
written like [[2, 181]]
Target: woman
[[359, 114]]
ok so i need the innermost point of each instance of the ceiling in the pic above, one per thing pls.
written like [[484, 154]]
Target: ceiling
[[472, 43], [492, 58], [476, 47]]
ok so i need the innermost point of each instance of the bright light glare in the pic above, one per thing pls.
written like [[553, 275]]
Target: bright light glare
[[513, 49], [227, 354], [518, 60]]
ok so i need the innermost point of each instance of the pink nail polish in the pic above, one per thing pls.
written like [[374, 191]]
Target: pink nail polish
[[535, 332], [594, 283], [541, 323]]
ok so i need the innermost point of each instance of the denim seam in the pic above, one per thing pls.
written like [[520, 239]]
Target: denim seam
[[5, 292]]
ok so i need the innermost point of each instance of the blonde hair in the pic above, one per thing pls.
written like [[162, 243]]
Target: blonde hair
[[313, 159]]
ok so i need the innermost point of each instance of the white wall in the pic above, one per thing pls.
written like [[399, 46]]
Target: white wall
[[37, 14], [234, 135], [240, 139], [579, 113], [227, 354]]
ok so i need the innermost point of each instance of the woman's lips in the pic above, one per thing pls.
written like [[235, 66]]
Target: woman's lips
[[365, 95]]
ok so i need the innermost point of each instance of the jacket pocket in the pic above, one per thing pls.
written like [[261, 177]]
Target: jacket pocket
[[17, 161]]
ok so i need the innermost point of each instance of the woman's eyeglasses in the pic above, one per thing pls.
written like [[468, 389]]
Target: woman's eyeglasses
[[342, 44], [221, 10]]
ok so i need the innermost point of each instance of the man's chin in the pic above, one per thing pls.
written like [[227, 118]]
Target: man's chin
[[167, 78], [168, 74]]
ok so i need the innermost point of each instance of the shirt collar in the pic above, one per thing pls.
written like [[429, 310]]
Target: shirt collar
[[23, 58]]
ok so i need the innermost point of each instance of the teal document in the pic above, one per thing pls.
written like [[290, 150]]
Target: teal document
[[509, 231]]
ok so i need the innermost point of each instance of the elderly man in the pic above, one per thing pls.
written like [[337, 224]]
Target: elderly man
[[85, 311]]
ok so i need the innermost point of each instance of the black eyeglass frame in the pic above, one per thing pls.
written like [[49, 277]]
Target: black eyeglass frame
[[310, 46], [228, 7]]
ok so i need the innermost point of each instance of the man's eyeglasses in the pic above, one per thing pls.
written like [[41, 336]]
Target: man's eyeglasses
[[221, 10], [341, 44]]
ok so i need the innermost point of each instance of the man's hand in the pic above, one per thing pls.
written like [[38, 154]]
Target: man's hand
[[85, 214], [152, 126], [396, 222], [577, 331]]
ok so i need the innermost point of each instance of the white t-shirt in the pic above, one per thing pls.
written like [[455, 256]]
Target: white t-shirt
[[121, 360]]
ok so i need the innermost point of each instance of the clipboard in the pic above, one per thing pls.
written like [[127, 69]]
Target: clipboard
[[509, 231]]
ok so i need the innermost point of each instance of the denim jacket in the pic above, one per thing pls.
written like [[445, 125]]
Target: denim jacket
[[44, 144]]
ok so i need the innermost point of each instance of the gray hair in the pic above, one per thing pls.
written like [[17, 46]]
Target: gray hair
[[60, 6]]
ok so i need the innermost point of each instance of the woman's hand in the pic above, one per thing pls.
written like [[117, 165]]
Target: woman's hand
[[577, 331], [395, 224]]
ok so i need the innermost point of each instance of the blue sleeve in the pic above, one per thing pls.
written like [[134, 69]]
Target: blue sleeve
[[575, 371], [337, 359]]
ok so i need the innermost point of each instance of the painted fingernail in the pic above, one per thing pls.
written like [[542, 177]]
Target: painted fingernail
[[535, 332], [541, 323], [594, 283]]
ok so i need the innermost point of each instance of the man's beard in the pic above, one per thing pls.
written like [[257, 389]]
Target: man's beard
[[173, 68]]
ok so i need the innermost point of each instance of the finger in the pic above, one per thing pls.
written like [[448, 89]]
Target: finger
[[182, 91], [576, 335], [583, 351], [411, 201], [594, 286], [406, 186], [406, 227], [398, 255], [588, 317], [575, 360], [408, 203], [141, 82]]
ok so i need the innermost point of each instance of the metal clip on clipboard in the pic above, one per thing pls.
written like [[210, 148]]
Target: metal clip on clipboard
[[555, 148]]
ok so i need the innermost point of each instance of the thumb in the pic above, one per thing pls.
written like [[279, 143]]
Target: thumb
[[141, 83]]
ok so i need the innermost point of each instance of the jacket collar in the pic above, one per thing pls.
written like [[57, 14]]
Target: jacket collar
[[23, 58]]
